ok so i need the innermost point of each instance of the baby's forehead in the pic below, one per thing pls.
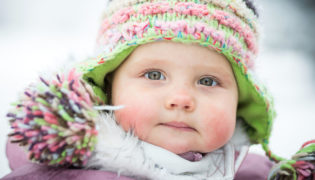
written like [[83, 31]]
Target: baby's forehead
[[160, 49]]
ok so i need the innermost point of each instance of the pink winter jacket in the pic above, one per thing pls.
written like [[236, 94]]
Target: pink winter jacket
[[254, 167]]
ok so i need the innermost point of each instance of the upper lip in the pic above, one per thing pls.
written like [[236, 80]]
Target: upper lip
[[177, 124]]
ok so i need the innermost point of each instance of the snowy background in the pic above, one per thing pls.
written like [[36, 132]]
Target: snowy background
[[36, 36]]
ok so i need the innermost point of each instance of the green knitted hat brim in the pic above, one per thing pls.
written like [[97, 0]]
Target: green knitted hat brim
[[252, 105]]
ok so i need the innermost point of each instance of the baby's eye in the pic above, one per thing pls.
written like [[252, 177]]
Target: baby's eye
[[154, 75], [207, 81]]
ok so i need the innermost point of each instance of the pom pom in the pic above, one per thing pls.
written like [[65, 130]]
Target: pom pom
[[301, 167], [55, 120]]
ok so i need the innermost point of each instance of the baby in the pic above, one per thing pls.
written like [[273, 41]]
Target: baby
[[182, 99], [182, 72]]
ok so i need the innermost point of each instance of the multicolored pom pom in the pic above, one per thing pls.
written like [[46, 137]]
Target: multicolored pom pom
[[301, 167], [55, 121]]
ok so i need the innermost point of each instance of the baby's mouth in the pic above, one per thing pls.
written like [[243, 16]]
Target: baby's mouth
[[178, 126]]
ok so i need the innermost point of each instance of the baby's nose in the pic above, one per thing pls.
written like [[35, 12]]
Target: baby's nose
[[181, 101]]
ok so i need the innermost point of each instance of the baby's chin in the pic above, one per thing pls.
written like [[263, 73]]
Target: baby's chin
[[177, 148], [175, 144]]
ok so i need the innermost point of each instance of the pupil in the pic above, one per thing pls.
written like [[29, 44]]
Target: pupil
[[155, 75], [206, 81]]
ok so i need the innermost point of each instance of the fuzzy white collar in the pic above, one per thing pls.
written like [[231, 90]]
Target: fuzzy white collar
[[124, 153]]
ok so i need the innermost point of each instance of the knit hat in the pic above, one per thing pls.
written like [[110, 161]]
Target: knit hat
[[228, 26]]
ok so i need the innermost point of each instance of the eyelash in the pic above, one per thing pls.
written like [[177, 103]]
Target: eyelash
[[145, 74]]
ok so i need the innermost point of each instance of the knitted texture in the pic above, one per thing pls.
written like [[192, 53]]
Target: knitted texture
[[301, 166], [55, 121], [228, 26]]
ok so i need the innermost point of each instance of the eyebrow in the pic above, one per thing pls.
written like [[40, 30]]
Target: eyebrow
[[150, 61], [147, 62]]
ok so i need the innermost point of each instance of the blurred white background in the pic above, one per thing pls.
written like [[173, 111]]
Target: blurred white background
[[36, 36]]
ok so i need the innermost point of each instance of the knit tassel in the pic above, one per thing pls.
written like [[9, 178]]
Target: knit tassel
[[301, 167], [55, 121]]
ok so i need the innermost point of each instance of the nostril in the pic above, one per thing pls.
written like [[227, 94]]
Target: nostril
[[180, 102]]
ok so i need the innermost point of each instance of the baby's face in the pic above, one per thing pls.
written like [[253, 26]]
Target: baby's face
[[177, 96]]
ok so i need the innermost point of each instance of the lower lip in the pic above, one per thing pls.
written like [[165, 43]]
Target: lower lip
[[179, 128]]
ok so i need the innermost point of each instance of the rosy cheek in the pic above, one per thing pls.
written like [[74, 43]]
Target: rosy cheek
[[219, 127], [139, 118], [122, 117], [224, 131]]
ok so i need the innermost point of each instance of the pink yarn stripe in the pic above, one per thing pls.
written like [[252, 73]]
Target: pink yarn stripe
[[233, 22], [128, 31]]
